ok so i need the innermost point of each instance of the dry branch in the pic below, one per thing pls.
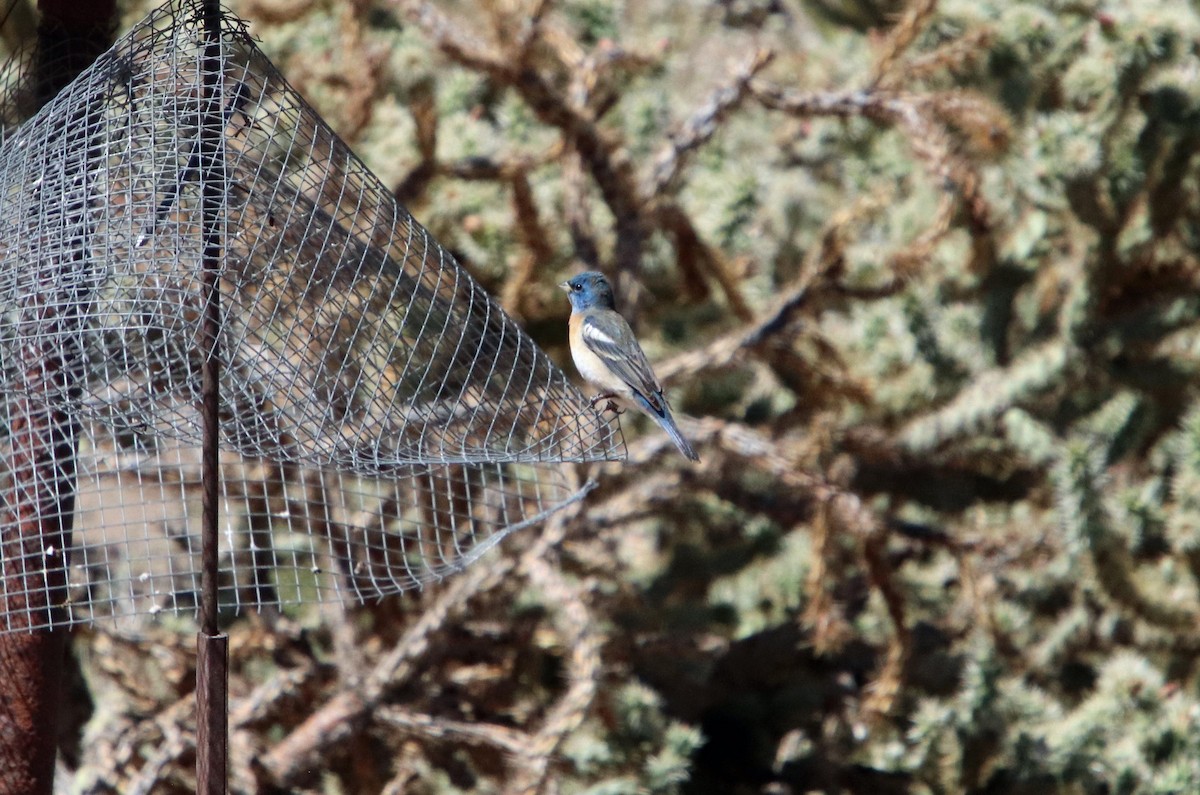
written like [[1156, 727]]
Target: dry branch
[[342, 716], [671, 160]]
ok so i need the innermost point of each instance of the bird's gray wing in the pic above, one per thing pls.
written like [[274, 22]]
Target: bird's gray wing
[[608, 336]]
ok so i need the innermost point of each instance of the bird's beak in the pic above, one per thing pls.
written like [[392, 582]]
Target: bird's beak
[[564, 286]]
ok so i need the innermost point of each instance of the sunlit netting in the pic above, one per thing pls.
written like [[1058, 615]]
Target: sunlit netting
[[383, 422]]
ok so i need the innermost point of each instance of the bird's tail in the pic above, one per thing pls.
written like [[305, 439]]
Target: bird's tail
[[667, 422]]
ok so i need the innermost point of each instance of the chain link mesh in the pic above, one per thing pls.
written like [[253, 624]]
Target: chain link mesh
[[383, 421]]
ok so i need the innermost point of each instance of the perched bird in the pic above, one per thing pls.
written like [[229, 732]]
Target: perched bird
[[608, 355]]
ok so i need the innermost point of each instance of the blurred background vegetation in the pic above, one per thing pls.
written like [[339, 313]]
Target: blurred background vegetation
[[924, 279]]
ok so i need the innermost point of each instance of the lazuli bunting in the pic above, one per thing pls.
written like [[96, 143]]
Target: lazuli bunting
[[608, 355]]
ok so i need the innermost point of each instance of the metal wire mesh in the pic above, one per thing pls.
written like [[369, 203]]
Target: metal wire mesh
[[383, 422]]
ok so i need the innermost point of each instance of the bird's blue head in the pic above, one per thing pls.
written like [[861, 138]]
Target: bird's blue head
[[588, 290]]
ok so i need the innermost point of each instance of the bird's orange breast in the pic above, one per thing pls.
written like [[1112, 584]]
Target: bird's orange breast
[[591, 366]]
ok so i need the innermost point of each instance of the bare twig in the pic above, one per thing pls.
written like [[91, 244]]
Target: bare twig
[[820, 267], [953, 55], [510, 741], [341, 716], [578, 214], [704, 123], [264, 701], [599, 151], [582, 639], [166, 733], [536, 242], [692, 251], [886, 687], [923, 120], [901, 36], [829, 629]]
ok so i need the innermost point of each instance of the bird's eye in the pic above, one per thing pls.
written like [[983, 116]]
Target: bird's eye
[[576, 287]]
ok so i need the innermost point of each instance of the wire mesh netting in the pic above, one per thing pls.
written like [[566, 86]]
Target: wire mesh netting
[[383, 422]]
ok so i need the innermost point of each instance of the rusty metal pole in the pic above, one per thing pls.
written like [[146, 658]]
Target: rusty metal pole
[[212, 646], [37, 516]]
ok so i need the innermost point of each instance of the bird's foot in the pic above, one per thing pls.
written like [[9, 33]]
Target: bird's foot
[[612, 405]]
